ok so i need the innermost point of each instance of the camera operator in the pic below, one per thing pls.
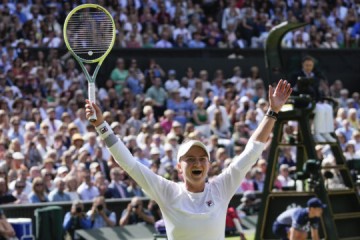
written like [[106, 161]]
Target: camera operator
[[135, 213], [99, 215], [76, 219]]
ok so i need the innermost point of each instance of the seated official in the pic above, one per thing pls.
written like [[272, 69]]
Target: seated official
[[135, 213]]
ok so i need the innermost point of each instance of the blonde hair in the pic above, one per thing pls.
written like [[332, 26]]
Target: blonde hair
[[147, 108], [199, 100]]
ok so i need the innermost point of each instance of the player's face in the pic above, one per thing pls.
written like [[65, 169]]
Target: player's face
[[194, 166]]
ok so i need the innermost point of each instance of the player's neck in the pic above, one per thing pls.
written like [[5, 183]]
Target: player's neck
[[195, 188]]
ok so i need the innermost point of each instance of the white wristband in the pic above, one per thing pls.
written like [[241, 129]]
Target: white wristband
[[104, 130]]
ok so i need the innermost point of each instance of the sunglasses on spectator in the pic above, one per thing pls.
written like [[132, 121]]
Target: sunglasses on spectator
[[19, 186]]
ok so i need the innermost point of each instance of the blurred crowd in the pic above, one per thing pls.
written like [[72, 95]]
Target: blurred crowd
[[189, 24]]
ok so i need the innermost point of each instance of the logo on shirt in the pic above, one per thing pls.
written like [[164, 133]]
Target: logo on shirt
[[103, 130], [210, 203]]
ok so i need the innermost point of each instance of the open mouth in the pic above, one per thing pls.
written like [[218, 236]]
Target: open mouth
[[196, 172]]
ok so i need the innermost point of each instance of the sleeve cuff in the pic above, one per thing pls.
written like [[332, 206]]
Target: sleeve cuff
[[104, 130]]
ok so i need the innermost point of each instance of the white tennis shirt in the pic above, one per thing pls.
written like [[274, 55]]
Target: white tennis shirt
[[187, 215]]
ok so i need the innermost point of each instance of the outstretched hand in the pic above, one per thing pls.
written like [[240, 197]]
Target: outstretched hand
[[89, 109], [279, 96]]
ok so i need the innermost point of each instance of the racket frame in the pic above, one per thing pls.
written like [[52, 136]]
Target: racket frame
[[81, 61]]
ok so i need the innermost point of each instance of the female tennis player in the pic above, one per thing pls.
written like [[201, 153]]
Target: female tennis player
[[194, 209]]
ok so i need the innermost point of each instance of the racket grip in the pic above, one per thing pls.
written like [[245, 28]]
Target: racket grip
[[91, 93]]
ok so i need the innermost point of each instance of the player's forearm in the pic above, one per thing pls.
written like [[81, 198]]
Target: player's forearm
[[264, 129], [120, 153]]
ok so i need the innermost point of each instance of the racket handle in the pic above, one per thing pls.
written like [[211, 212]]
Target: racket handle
[[91, 93]]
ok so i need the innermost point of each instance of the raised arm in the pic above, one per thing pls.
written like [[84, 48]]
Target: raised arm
[[155, 186], [277, 99]]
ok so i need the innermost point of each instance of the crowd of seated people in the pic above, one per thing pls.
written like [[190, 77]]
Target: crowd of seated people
[[49, 151], [189, 24]]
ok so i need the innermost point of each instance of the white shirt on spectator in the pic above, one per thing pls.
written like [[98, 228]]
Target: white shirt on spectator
[[87, 193], [183, 32], [211, 110], [172, 84], [52, 43], [81, 125], [185, 92], [163, 44], [128, 26], [27, 190], [53, 125]]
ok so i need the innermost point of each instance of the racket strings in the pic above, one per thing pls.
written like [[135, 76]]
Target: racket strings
[[90, 33]]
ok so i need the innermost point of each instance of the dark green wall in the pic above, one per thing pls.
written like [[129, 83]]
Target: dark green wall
[[335, 64]]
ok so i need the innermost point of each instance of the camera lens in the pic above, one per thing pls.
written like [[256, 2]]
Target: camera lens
[[100, 207], [78, 209]]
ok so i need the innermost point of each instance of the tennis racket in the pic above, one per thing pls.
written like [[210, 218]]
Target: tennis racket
[[89, 35]]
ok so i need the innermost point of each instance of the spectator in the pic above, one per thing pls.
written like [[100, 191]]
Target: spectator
[[196, 41], [284, 178], [158, 94], [18, 193], [247, 183], [5, 195], [22, 176], [134, 82], [218, 127], [164, 41], [38, 193], [76, 219], [87, 190], [182, 109], [259, 179], [119, 75], [182, 30], [136, 213], [71, 188], [58, 194], [287, 158], [99, 215], [133, 189], [98, 158], [200, 117], [172, 83], [148, 115], [134, 121], [117, 186]]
